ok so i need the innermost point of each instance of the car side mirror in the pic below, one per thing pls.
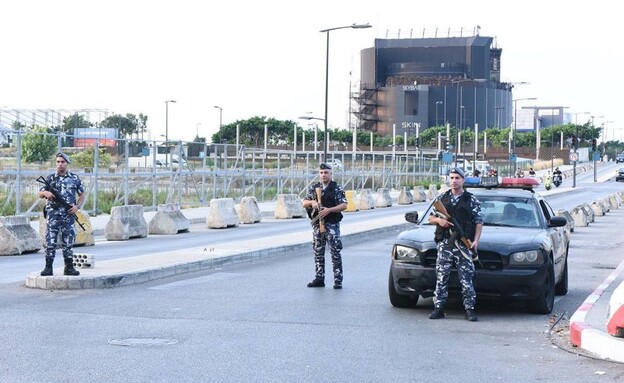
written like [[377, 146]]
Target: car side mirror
[[558, 221], [411, 217]]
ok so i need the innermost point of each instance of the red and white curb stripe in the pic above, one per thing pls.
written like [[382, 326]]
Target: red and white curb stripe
[[584, 335]]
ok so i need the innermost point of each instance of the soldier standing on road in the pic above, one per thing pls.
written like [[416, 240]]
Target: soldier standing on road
[[333, 201], [59, 219], [466, 208]]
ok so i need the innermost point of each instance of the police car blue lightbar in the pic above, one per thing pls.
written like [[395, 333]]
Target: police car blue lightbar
[[506, 182]]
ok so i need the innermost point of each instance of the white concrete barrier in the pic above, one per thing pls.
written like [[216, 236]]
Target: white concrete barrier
[[367, 202], [222, 214], [405, 196], [17, 236], [588, 211], [597, 208], [419, 194], [432, 192], [289, 206], [248, 210], [353, 203], [579, 216], [168, 220], [126, 222], [83, 237], [564, 213], [613, 201], [383, 198]]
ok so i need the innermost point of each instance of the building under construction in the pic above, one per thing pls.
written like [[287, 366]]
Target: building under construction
[[416, 83]]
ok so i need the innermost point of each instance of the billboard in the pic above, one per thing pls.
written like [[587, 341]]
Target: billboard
[[86, 138]]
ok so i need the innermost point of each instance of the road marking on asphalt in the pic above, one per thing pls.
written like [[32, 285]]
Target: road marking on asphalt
[[195, 281]]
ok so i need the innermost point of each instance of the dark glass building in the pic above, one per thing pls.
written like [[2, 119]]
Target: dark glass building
[[427, 82]]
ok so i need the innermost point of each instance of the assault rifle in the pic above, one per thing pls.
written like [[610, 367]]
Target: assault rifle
[[58, 198], [440, 211], [318, 216]]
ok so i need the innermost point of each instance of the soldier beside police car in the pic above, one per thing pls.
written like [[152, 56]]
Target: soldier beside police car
[[59, 219], [466, 209]]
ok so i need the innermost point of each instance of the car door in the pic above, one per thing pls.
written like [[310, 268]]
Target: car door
[[557, 237]]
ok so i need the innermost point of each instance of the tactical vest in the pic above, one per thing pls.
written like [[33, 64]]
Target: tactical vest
[[462, 212], [328, 199]]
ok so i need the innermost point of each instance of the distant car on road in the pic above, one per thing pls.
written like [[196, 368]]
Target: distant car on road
[[523, 252], [620, 175], [336, 164], [619, 158]]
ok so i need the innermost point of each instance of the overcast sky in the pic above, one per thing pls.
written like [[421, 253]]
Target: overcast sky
[[267, 58]]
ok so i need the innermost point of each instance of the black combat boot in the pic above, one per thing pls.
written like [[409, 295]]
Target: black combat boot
[[48, 267], [69, 267], [437, 313], [471, 316], [317, 282]]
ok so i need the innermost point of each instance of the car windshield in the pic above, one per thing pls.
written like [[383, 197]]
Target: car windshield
[[504, 211]]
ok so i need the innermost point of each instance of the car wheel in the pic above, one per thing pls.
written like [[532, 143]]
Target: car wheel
[[561, 288], [546, 300], [397, 299]]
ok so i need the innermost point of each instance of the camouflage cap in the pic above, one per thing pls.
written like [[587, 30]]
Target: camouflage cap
[[457, 171], [325, 167]]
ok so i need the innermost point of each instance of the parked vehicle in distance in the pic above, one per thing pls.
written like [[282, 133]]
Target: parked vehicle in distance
[[619, 158], [522, 256], [336, 164], [620, 175]]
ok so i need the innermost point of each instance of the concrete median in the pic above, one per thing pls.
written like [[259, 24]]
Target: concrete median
[[17, 236], [168, 220]]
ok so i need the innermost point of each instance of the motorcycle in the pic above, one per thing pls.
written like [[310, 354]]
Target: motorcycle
[[547, 183], [557, 180]]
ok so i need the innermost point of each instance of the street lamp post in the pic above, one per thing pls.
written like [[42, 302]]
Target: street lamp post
[[167, 129], [460, 106], [326, 31], [220, 116], [515, 131], [576, 146], [316, 134]]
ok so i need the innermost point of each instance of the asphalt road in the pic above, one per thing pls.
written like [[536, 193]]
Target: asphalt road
[[260, 323]]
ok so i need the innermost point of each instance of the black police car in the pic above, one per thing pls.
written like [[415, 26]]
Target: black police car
[[523, 256]]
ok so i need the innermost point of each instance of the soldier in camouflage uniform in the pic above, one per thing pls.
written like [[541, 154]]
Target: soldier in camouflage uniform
[[60, 219], [333, 201], [466, 208]]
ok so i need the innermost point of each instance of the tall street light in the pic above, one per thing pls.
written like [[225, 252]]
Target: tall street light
[[552, 137], [326, 31], [576, 146], [167, 129], [316, 134], [515, 130], [220, 116], [458, 116]]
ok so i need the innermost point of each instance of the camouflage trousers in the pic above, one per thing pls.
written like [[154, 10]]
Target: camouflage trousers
[[63, 225], [331, 236], [449, 255]]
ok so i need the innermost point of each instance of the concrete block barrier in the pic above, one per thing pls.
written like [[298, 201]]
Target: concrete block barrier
[[613, 201], [615, 323], [352, 202], [17, 236], [405, 196], [222, 214], [84, 261], [367, 202], [568, 217], [289, 206], [249, 211], [383, 198], [168, 220], [419, 194], [432, 192], [83, 237], [606, 207], [589, 212], [579, 216], [597, 209], [126, 222]]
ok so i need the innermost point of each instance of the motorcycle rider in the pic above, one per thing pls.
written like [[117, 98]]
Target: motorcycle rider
[[531, 172], [557, 177], [547, 181]]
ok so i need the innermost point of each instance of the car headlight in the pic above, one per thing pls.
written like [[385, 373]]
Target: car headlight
[[526, 258], [405, 253]]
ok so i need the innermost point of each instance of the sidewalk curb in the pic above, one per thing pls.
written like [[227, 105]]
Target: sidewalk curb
[[585, 336], [35, 281]]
